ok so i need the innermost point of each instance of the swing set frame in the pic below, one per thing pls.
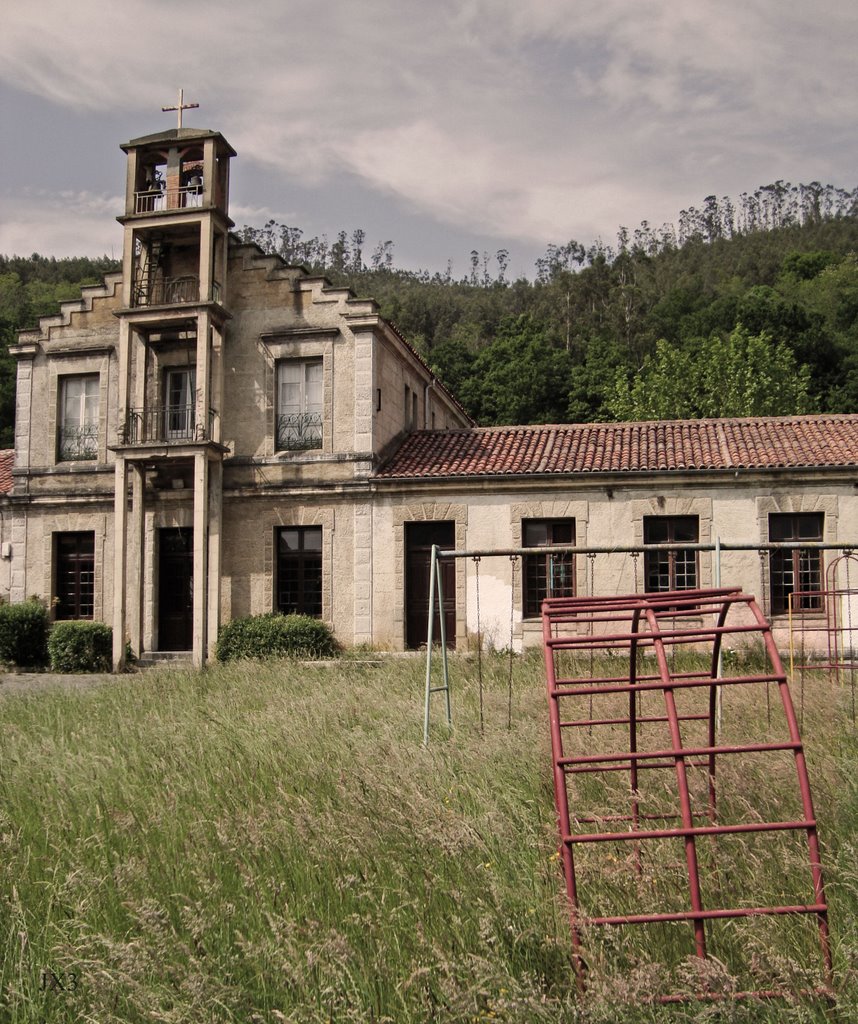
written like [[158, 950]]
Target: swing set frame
[[436, 593]]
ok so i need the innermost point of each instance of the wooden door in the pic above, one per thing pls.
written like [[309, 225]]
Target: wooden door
[[175, 589], [419, 538]]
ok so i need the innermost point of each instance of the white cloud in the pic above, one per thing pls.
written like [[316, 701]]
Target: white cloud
[[60, 224], [538, 121]]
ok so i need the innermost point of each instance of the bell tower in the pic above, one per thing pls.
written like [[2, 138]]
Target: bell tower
[[169, 456]]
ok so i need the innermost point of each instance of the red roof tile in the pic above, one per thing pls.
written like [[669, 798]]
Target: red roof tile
[[7, 461], [664, 446]]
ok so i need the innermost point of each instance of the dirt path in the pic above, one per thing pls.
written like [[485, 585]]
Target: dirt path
[[38, 682]]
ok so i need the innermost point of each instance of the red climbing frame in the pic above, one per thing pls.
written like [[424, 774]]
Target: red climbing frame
[[651, 628]]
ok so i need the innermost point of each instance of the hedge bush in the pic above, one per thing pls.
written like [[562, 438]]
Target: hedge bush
[[81, 646], [24, 634], [275, 636]]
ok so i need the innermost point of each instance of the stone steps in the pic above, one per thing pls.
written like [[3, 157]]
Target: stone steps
[[165, 659]]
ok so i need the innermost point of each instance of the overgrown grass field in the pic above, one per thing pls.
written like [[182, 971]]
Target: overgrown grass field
[[266, 843]]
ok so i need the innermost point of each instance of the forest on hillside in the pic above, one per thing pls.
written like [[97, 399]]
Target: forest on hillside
[[745, 307]]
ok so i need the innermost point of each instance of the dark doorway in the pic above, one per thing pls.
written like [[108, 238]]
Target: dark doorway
[[419, 538], [75, 575], [175, 589]]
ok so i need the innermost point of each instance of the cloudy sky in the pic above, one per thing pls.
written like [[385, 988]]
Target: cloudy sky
[[445, 126]]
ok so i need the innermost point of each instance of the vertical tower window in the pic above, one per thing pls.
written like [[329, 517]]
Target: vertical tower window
[[180, 389]]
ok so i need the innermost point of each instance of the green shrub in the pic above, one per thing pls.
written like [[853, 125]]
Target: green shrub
[[81, 646], [24, 634], [275, 636]]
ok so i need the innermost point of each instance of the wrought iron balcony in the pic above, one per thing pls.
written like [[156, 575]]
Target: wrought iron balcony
[[170, 424], [299, 431], [171, 291], [77, 443], [158, 200]]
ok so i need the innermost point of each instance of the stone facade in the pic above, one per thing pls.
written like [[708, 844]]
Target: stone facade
[[183, 361], [189, 420]]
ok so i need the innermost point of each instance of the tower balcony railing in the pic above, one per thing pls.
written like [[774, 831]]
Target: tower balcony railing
[[76, 443], [299, 431], [167, 424], [170, 291], [160, 200]]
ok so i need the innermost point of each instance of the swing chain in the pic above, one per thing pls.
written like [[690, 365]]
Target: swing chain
[[848, 556], [513, 564], [479, 643]]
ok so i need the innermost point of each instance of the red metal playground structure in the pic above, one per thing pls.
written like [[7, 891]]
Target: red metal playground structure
[[647, 705], [640, 679]]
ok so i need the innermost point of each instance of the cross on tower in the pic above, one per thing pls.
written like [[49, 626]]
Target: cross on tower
[[180, 106]]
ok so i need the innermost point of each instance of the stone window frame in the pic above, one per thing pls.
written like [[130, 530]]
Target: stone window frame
[[547, 508], [793, 503], [95, 522], [300, 516], [61, 367], [277, 350], [672, 507], [548, 560], [428, 511]]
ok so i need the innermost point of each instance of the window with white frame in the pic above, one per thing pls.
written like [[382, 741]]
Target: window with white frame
[[180, 393], [795, 574], [676, 569], [551, 574], [300, 398], [78, 419]]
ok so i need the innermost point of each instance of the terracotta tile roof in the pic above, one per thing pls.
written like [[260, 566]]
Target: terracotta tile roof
[[669, 446], [7, 461]]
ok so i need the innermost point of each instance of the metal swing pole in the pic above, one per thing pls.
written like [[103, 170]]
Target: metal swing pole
[[429, 638], [444, 664], [435, 583]]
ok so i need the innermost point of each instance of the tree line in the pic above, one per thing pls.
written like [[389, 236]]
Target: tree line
[[746, 307]]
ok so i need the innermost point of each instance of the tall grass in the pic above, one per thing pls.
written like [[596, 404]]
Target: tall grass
[[263, 843]]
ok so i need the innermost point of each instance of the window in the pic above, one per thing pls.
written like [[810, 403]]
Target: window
[[180, 391], [670, 570], [78, 428], [797, 571], [74, 560], [299, 404], [299, 570], [548, 575]]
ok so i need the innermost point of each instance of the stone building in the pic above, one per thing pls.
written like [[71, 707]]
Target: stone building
[[212, 433], [195, 439]]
